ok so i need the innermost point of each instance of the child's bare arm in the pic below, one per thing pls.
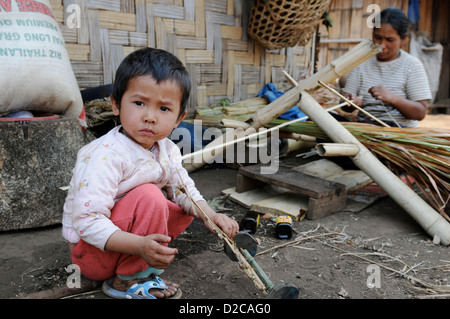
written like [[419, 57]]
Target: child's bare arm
[[149, 247]]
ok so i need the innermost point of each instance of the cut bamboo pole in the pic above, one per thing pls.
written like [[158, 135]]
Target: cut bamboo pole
[[337, 149], [355, 56], [430, 220], [231, 137], [339, 67]]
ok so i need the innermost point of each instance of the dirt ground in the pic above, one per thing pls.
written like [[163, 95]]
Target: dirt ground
[[379, 252]]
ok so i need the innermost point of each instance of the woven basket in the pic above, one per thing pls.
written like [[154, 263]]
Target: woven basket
[[277, 24]]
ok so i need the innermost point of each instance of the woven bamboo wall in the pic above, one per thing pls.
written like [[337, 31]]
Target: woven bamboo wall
[[350, 27], [210, 37]]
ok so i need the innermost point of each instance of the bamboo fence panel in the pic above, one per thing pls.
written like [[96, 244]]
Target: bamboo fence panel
[[209, 37], [349, 26]]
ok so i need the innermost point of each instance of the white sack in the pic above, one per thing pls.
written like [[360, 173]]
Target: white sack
[[35, 69]]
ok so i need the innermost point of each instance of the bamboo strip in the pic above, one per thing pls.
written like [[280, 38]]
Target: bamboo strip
[[430, 220]]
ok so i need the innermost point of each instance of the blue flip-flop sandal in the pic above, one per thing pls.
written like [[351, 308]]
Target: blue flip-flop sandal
[[139, 290]]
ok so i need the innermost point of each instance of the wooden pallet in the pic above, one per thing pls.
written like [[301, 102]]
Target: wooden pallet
[[316, 189], [325, 197]]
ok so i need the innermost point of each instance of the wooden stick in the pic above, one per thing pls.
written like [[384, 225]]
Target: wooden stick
[[353, 104], [245, 265], [64, 291]]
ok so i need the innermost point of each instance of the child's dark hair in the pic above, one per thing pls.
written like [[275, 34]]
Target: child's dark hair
[[397, 19], [160, 64]]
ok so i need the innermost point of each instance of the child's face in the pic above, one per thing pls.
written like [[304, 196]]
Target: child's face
[[149, 111]]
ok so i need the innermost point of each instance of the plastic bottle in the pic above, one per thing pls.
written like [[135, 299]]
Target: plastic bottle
[[250, 222], [283, 227]]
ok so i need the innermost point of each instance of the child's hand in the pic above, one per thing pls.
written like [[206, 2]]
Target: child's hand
[[229, 226], [155, 253]]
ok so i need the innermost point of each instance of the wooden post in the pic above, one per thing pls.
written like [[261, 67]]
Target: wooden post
[[430, 220]]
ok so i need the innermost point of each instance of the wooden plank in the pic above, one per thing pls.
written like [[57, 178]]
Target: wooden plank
[[247, 198], [285, 204], [326, 169], [268, 200]]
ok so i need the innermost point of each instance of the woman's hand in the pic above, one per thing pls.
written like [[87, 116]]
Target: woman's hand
[[382, 93], [415, 110]]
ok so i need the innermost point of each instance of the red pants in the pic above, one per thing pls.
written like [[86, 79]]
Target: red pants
[[143, 211]]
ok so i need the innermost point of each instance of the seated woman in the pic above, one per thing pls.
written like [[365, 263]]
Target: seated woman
[[393, 85]]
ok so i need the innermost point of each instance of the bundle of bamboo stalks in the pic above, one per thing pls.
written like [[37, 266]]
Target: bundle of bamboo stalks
[[422, 153]]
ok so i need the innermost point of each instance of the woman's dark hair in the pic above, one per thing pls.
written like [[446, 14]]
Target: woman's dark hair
[[397, 19], [160, 64]]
